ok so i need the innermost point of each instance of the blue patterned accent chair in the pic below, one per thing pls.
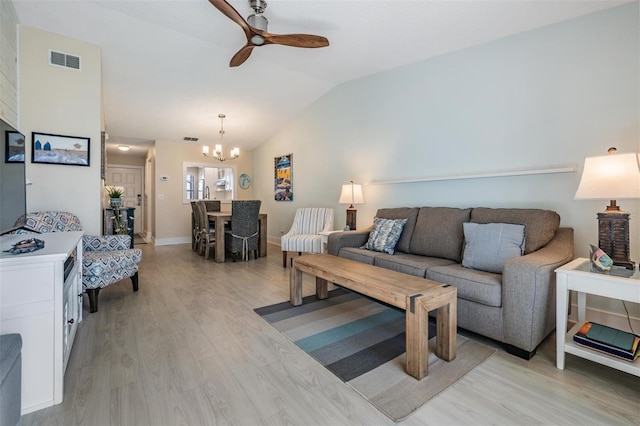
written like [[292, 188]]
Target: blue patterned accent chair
[[105, 259], [304, 235]]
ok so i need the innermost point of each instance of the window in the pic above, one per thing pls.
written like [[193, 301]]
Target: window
[[189, 183], [208, 182]]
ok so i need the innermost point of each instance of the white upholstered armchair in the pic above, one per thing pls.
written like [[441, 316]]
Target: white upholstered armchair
[[304, 235]]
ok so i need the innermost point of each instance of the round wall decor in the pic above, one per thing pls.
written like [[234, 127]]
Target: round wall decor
[[245, 181]]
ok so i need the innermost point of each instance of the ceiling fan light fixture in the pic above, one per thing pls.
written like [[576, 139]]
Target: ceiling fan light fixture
[[257, 40]]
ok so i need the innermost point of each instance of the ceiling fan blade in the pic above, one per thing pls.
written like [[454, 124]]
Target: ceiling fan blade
[[231, 13], [242, 55], [295, 40]]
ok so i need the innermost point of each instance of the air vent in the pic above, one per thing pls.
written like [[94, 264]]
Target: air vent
[[190, 139], [64, 60]]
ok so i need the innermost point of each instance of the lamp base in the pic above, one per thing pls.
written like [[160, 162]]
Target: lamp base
[[351, 219], [613, 237]]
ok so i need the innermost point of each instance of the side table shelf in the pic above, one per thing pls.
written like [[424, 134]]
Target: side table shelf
[[576, 276], [573, 348]]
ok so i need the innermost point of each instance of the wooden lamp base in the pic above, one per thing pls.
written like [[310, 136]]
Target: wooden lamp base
[[613, 237]]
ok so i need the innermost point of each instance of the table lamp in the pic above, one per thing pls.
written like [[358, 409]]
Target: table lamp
[[611, 177], [351, 194]]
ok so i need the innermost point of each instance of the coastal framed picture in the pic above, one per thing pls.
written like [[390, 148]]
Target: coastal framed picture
[[58, 149], [283, 177], [14, 147]]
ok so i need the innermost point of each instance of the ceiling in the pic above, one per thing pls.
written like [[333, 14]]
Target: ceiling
[[166, 71]]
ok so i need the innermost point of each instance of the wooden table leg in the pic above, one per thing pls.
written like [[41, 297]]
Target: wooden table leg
[[295, 286], [321, 288], [417, 326], [446, 327], [219, 240], [262, 243]]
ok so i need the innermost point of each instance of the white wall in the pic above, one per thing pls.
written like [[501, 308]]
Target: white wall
[[62, 101], [541, 98]]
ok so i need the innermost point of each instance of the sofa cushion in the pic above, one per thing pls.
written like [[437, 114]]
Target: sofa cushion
[[489, 245], [541, 225], [385, 235], [410, 264], [477, 286], [359, 254], [409, 213], [438, 232]]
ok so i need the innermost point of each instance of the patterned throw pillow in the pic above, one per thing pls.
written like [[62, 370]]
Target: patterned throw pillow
[[385, 235], [489, 245]]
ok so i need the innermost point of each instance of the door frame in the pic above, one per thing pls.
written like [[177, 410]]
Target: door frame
[[142, 181]]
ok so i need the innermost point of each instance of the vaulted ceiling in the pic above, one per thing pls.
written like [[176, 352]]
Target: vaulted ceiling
[[166, 71]]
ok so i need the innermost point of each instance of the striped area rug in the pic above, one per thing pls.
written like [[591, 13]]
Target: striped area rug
[[362, 342]]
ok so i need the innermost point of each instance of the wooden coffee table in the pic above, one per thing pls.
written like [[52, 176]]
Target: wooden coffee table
[[417, 296]]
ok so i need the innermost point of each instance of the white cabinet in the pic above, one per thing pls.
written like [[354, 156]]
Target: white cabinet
[[41, 298]]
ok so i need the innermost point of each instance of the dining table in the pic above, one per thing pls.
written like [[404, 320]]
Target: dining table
[[218, 219]]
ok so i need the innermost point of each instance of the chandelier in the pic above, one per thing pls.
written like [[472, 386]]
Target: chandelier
[[217, 153]]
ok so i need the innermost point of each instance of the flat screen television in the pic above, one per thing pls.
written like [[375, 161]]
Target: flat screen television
[[13, 189]]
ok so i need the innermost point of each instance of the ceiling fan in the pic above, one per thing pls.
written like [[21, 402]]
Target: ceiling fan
[[255, 28]]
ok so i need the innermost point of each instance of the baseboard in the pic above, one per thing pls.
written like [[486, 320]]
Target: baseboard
[[171, 241], [273, 240]]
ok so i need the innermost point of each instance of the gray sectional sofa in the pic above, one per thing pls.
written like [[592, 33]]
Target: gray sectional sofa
[[515, 306]]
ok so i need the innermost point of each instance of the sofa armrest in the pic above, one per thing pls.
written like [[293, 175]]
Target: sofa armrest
[[337, 240], [106, 242], [529, 293]]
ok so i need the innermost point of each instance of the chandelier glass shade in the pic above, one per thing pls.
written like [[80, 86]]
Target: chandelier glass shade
[[217, 153]]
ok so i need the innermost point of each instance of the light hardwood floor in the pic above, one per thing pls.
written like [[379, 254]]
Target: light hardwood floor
[[188, 349]]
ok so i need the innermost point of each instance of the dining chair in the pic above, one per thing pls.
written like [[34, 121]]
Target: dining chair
[[207, 232], [212, 205], [242, 237], [195, 227], [304, 235]]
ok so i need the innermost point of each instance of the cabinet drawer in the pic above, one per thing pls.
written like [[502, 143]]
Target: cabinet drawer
[[20, 285]]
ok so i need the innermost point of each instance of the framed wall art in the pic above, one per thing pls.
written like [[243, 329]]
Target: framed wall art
[[14, 147], [283, 177], [59, 149]]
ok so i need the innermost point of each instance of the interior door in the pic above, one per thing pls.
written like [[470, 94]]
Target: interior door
[[130, 178]]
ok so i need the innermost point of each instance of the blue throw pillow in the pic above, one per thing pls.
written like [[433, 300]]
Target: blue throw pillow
[[489, 245], [385, 235]]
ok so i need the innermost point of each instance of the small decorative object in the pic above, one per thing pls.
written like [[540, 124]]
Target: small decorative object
[[245, 181], [115, 195], [600, 261], [58, 149], [26, 246], [120, 226]]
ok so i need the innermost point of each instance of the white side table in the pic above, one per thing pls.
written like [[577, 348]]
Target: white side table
[[576, 275], [324, 235]]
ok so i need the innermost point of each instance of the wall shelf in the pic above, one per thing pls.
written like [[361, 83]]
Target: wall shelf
[[502, 173]]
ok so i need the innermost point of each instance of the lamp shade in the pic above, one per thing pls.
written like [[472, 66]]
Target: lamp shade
[[609, 177], [351, 194]]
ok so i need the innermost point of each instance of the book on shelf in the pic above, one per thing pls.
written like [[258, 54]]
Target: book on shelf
[[609, 340]]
